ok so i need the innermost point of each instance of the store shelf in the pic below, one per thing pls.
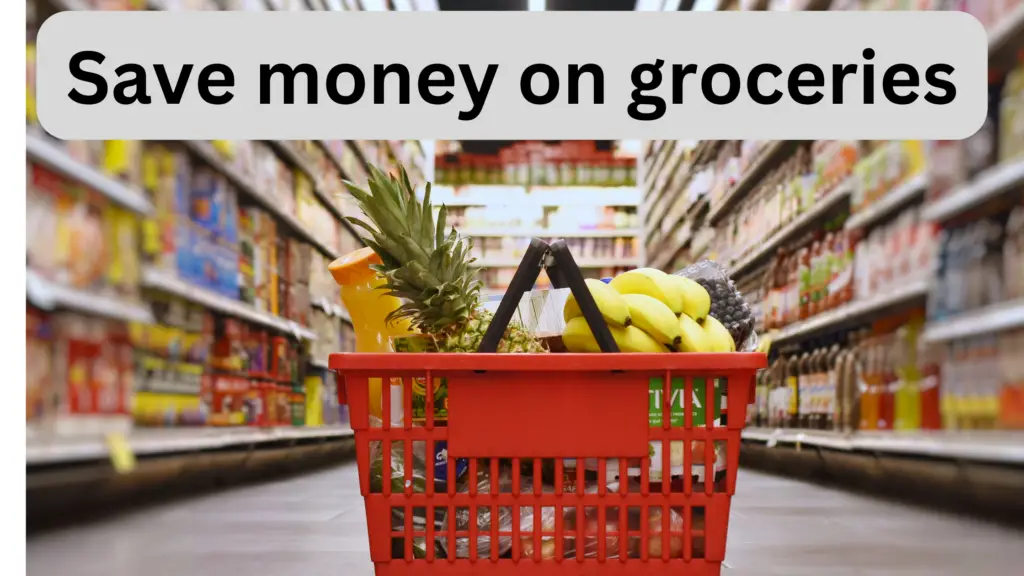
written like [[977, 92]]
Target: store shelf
[[50, 295], [544, 233], [150, 442], [81, 5], [1006, 31], [667, 254], [987, 320], [205, 150], [665, 175], [984, 187], [333, 309], [1000, 447], [791, 230], [890, 203], [854, 312], [41, 149], [513, 196], [167, 282], [770, 156], [582, 263]]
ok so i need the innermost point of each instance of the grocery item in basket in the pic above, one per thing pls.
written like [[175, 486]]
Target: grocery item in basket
[[418, 480], [676, 414], [548, 516], [417, 483], [634, 519], [613, 307], [430, 270], [727, 303], [463, 519]]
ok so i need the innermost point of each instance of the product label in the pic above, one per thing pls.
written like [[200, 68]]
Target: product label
[[793, 394], [804, 384], [829, 395], [805, 284], [677, 399], [441, 462]]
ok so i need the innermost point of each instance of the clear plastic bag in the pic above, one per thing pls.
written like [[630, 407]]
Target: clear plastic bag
[[547, 522], [728, 304], [634, 518], [483, 521], [417, 483]]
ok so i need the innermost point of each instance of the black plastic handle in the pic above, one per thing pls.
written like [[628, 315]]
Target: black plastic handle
[[563, 272]]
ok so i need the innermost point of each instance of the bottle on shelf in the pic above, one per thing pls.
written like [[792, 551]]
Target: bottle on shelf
[[1011, 113], [806, 377], [829, 395], [791, 419], [929, 358], [868, 384], [888, 382]]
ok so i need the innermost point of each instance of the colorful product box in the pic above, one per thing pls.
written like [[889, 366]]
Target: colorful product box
[[206, 198]]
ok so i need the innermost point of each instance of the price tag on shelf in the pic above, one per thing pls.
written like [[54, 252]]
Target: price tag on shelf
[[121, 455]]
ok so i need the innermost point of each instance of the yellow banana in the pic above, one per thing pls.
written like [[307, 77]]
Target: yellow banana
[[696, 300], [650, 282], [577, 337], [613, 308], [653, 317], [718, 335], [633, 339], [694, 337]]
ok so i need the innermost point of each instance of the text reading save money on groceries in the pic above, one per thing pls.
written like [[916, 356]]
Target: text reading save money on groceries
[[130, 83], [512, 75]]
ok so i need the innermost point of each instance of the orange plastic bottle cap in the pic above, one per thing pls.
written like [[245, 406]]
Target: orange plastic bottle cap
[[354, 266]]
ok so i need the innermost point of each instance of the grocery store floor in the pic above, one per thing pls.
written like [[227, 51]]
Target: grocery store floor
[[314, 525]]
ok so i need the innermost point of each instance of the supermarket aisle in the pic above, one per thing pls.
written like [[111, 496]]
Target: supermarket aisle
[[313, 525]]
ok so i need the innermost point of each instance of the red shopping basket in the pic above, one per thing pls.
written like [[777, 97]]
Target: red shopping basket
[[576, 419]]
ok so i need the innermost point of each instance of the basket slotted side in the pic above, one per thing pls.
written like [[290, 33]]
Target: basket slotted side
[[548, 406]]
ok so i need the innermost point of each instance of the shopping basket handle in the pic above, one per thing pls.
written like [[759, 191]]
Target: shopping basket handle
[[563, 272], [522, 282], [566, 272]]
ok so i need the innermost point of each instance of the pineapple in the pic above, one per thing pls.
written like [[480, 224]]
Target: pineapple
[[429, 270]]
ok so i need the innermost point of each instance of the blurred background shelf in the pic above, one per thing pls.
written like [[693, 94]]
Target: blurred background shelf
[[546, 233], [985, 321], [43, 149], [857, 312], [50, 295], [151, 442], [1003, 447], [163, 281]]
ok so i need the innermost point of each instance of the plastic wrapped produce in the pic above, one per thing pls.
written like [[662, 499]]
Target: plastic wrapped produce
[[592, 537], [547, 523], [463, 517], [728, 305], [417, 483], [634, 518]]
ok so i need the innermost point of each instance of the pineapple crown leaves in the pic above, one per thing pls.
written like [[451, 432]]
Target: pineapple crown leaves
[[426, 268]]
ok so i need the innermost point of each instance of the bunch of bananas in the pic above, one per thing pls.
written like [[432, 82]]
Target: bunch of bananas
[[647, 310]]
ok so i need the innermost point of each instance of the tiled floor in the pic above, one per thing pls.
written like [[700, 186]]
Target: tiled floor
[[314, 525]]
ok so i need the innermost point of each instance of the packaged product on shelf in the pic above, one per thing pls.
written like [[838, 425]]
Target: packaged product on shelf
[[122, 160], [46, 205], [266, 166], [1011, 136], [39, 367], [1011, 372], [1013, 254], [30, 83]]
